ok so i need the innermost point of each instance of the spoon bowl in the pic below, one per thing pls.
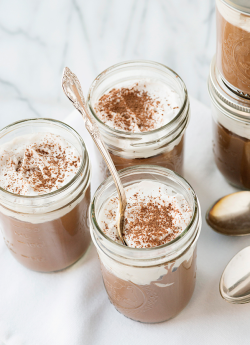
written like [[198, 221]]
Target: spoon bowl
[[235, 280], [230, 215]]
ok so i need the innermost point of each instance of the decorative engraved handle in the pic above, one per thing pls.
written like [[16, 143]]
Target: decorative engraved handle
[[72, 89]]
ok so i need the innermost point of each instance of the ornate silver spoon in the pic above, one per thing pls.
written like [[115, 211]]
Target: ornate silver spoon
[[230, 215], [72, 89], [235, 280]]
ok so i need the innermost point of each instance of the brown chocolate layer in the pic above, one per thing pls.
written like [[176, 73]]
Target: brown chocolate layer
[[153, 303], [233, 54], [232, 156], [49, 246], [172, 159]]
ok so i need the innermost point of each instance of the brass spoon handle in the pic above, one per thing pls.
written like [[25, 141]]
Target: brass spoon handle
[[72, 89]]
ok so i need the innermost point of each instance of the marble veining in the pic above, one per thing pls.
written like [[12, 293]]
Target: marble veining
[[38, 38]]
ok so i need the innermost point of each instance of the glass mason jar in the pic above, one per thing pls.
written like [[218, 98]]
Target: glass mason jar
[[231, 131], [233, 44], [148, 284], [163, 146], [48, 232]]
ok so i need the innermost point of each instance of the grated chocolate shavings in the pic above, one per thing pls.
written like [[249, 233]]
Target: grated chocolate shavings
[[127, 108], [39, 167]]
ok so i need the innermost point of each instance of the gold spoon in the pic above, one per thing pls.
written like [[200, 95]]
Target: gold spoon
[[72, 89], [230, 215]]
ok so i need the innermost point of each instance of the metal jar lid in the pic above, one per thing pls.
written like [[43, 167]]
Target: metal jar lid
[[239, 5], [223, 97]]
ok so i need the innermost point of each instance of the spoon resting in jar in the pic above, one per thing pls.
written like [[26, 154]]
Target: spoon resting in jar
[[72, 89]]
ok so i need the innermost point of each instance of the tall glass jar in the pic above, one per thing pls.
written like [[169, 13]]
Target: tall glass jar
[[47, 232], [163, 146], [233, 44], [231, 131], [148, 284]]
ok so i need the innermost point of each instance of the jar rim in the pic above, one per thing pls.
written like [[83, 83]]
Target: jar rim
[[235, 105], [9, 128], [241, 6], [108, 70], [123, 173]]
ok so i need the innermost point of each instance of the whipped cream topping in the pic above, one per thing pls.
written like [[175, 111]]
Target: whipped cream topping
[[37, 164], [138, 105], [155, 214]]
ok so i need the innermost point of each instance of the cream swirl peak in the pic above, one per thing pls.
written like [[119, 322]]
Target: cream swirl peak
[[138, 105], [37, 164], [155, 214]]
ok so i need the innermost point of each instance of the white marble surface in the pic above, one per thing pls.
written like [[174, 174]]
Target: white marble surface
[[39, 37]]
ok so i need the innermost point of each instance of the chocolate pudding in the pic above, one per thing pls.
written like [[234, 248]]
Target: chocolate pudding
[[161, 300], [232, 156], [144, 281], [154, 216], [49, 246], [169, 159], [45, 195], [142, 111], [233, 47]]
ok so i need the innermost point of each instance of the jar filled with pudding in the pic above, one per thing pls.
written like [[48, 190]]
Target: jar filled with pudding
[[233, 44], [44, 193], [142, 111], [151, 279], [231, 131]]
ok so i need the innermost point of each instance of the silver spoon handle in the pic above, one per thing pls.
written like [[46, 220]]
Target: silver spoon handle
[[94, 132], [72, 89]]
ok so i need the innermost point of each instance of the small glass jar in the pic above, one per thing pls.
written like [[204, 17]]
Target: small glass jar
[[48, 232], [148, 284], [163, 146], [231, 131], [233, 44]]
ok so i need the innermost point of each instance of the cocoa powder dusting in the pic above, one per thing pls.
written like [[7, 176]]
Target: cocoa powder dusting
[[44, 175], [155, 215], [127, 107], [152, 224]]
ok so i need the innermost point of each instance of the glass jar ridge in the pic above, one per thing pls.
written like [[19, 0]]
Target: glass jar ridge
[[127, 148], [148, 270]]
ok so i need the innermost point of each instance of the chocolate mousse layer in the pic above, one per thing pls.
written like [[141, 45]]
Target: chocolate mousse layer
[[52, 245], [232, 156], [169, 159], [233, 47], [158, 301]]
